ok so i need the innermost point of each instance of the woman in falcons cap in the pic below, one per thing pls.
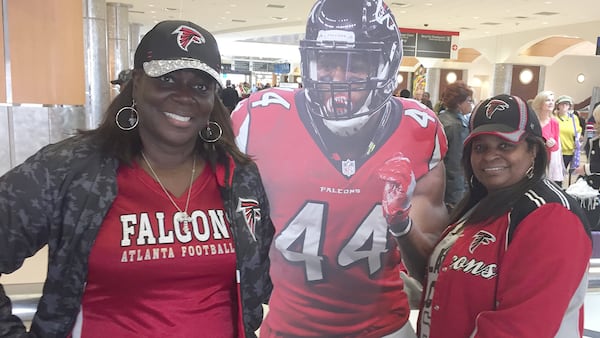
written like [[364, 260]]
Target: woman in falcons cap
[[156, 224], [514, 261]]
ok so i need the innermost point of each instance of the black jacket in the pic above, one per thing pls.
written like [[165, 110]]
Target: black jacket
[[60, 196], [230, 97], [592, 168], [456, 130]]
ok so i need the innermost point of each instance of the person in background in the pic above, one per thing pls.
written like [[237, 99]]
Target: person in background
[[426, 100], [590, 125], [581, 119], [229, 96], [543, 105], [571, 132], [122, 79], [418, 94], [439, 107], [244, 90], [591, 169], [458, 98], [156, 223], [494, 271], [365, 172], [405, 93], [591, 118]]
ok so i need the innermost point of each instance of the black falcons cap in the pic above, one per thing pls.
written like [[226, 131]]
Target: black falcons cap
[[174, 45], [506, 116]]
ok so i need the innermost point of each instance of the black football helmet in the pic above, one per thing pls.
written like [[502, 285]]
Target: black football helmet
[[362, 38]]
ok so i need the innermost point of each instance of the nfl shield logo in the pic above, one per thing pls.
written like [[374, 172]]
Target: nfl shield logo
[[348, 167]]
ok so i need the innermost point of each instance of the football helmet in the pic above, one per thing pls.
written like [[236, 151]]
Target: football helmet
[[360, 40]]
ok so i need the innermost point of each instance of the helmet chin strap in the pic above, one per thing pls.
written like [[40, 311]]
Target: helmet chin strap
[[351, 126], [347, 127]]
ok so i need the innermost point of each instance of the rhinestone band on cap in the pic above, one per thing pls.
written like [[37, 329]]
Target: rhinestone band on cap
[[157, 68]]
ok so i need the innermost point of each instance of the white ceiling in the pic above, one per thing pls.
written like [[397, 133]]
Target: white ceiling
[[282, 21]]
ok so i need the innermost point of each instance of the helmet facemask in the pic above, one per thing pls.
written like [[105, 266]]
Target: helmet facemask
[[350, 56], [334, 78]]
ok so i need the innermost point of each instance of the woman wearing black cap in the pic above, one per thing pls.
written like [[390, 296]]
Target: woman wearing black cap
[[157, 225], [513, 262]]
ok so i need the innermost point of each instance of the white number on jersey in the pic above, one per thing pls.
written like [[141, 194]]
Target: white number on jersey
[[375, 227], [306, 231], [308, 222], [421, 117], [272, 97]]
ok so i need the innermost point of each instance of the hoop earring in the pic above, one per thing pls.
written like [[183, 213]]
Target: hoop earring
[[133, 118], [529, 172], [208, 135], [472, 181]]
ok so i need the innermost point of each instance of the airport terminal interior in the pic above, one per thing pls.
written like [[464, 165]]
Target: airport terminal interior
[[513, 46]]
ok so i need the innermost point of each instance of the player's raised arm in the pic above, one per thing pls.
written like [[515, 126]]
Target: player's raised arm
[[415, 211]]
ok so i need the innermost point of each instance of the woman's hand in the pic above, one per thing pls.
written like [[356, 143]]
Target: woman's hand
[[580, 170], [550, 143]]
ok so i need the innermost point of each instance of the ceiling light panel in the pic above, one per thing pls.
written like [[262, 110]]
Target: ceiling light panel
[[546, 13]]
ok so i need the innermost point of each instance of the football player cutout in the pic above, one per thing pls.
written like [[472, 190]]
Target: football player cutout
[[350, 171]]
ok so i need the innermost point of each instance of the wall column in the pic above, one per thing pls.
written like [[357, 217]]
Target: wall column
[[135, 36], [117, 23], [501, 82], [97, 82], [433, 80]]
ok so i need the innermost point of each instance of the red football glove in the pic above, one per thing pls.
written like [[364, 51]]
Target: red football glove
[[399, 187]]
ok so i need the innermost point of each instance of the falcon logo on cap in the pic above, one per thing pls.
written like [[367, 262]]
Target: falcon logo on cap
[[251, 211], [186, 36], [493, 106]]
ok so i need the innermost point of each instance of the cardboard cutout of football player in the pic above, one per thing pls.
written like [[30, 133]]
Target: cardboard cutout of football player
[[350, 172]]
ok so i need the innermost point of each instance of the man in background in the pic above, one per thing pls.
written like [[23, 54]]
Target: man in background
[[229, 96], [426, 100], [122, 79]]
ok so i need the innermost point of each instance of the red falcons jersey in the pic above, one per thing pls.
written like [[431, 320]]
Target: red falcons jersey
[[522, 275], [153, 276], [335, 269]]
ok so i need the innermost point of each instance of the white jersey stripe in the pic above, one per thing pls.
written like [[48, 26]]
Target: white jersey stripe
[[436, 157], [535, 198], [559, 193], [78, 327], [242, 138]]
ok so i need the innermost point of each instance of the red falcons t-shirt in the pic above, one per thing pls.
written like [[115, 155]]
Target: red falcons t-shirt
[[334, 268], [148, 277]]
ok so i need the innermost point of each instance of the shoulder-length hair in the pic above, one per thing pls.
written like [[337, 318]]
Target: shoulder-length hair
[[539, 99], [491, 205], [127, 145], [455, 94]]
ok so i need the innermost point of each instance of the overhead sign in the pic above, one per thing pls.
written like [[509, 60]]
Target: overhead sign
[[429, 43], [281, 68], [241, 66]]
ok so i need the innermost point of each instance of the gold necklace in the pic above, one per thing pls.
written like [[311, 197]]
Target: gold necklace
[[181, 215]]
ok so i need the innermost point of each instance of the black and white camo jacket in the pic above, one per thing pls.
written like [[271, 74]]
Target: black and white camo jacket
[[59, 197]]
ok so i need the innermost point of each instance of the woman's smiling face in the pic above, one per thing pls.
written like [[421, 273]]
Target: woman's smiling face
[[175, 106], [498, 163]]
